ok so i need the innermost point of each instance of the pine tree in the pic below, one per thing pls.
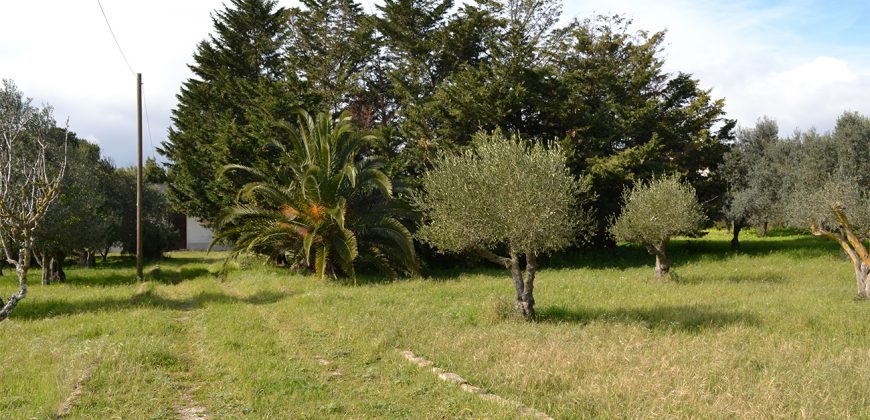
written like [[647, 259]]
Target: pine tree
[[226, 111]]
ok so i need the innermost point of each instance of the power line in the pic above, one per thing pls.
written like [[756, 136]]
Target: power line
[[147, 118], [121, 50]]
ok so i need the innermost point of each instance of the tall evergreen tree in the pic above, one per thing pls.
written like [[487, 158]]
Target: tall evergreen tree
[[423, 45], [624, 118], [509, 89], [225, 111], [331, 46]]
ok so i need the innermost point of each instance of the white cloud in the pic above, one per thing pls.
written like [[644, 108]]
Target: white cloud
[[60, 52], [764, 60], [811, 94], [92, 138]]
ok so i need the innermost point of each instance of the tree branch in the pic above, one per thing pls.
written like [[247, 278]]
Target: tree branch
[[493, 257], [818, 231], [856, 243]]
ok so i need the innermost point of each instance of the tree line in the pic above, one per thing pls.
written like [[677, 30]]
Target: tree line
[[92, 208], [420, 79], [421, 85], [813, 181], [337, 141]]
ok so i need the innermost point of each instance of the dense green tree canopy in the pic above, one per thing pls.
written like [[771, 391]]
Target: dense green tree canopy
[[756, 170], [425, 75], [76, 223], [503, 194], [331, 46], [828, 190], [624, 118], [225, 111]]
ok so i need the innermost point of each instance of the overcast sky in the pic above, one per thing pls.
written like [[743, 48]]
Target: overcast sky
[[799, 62]]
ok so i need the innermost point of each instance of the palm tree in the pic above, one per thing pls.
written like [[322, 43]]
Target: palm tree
[[322, 200]]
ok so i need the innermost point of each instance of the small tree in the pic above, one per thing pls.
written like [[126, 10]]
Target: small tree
[[28, 184], [655, 211], [502, 195]]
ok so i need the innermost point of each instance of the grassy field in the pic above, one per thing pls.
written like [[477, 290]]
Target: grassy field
[[773, 331]]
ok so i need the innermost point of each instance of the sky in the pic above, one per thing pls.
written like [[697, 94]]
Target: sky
[[802, 62]]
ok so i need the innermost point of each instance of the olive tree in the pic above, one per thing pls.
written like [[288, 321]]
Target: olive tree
[[28, 182], [755, 169], [830, 194], [653, 212], [839, 211], [502, 195]]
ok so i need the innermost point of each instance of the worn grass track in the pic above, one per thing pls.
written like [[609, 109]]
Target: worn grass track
[[773, 331]]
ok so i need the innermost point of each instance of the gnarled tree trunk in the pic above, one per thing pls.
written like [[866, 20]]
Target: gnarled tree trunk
[[524, 283], [853, 246], [663, 265], [87, 258], [528, 291], [56, 264], [763, 229], [21, 268], [862, 276]]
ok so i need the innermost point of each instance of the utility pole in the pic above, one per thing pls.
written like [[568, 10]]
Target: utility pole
[[139, 275]]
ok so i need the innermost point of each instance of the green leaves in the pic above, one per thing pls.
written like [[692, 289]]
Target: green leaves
[[226, 112], [504, 192], [330, 204], [655, 210]]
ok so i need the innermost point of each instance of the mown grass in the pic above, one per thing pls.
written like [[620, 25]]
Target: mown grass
[[773, 331]]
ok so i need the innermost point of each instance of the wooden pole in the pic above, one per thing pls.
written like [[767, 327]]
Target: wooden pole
[[139, 275]]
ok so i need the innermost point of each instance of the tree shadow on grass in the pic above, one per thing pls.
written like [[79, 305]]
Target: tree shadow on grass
[[51, 308], [684, 318], [129, 261], [97, 277], [758, 278], [686, 250], [681, 251]]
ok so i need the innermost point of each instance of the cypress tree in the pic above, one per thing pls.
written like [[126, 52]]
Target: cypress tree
[[225, 112]]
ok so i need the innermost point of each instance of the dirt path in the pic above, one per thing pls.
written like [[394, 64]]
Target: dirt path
[[66, 407]]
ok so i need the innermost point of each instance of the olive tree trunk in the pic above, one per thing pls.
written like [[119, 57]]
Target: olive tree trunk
[[663, 265], [56, 265], [45, 264], [525, 285], [862, 276], [853, 246], [87, 258], [735, 232], [524, 282]]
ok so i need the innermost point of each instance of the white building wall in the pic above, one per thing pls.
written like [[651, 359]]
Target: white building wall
[[199, 237]]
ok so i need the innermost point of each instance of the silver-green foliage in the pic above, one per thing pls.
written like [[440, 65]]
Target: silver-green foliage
[[504, 192], [815, 207], [656, 210]]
